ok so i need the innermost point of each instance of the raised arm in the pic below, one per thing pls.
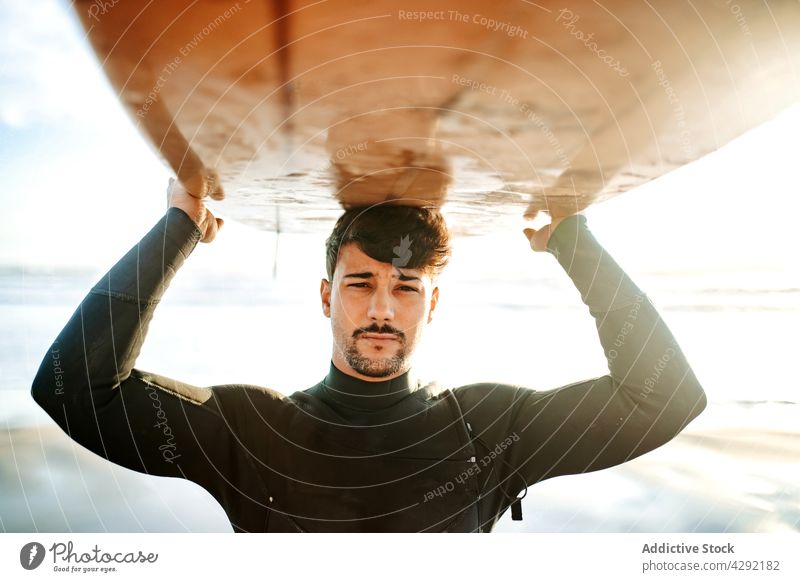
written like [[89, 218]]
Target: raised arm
[[648, 396], [142, 421]]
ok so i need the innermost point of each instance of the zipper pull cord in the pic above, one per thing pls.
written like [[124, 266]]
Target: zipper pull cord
[[516, 505]]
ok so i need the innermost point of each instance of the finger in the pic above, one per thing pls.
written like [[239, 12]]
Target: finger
[[213, 187], [217, 193], [210, 232], [531, 213], [214, 225], [195, 186]]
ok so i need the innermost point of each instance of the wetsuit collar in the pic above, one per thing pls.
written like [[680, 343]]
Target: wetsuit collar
[[356, 393]]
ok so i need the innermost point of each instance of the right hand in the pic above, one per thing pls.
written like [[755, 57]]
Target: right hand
[[193, 205]]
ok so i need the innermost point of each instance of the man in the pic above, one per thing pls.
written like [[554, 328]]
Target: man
[[368, 448]]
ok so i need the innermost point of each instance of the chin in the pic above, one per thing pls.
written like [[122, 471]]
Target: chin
[[376, 367]]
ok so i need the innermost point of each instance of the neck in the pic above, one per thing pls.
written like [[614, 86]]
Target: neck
[[357, 392]]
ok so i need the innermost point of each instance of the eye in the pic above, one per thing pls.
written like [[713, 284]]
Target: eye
[[361, 285], [407, 288]]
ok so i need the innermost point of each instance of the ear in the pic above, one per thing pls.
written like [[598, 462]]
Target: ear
[[434, 302], [325, 295]]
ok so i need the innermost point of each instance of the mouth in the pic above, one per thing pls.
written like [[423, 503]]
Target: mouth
[[379, 337]]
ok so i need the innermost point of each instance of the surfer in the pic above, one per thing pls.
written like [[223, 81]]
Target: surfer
[[368, 448]]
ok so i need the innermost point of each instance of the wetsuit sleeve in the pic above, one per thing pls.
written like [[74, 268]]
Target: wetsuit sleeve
[[648, 396], [139, 420]]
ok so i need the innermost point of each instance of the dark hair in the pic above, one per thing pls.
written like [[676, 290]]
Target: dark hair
[[406, 236]]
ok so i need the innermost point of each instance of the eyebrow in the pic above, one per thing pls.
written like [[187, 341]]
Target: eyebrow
[[369, 275]]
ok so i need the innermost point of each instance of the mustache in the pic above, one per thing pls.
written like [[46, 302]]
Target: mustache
[[386, 328]]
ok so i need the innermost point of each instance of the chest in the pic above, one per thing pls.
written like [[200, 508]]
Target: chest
[[407, 472]]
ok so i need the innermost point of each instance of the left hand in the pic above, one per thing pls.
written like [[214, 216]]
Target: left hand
[[538, 239]]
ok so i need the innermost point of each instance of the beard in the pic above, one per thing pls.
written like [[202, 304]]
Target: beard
[[375, 367]]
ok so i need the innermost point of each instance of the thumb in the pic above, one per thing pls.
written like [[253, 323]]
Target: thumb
[[210, 226], [529, 234], [537, 238]]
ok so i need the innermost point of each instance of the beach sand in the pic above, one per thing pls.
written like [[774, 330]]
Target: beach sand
[[711, 478], [51, 484], [727, 479]]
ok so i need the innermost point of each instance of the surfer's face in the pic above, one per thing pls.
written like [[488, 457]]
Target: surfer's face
[[378, 313]]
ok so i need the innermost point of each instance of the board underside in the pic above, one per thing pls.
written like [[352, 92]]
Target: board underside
[[489, 110]]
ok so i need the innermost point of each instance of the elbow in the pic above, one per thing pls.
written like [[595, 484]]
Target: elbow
[[684, 394], [45, 391], [674, 406], [674, 414], [690, 392], [48, 386], [691, 401], [700, 401]]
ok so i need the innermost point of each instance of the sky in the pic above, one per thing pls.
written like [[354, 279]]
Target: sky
[[81, 185]]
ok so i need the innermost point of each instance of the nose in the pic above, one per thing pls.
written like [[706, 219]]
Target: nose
[[381, 307]]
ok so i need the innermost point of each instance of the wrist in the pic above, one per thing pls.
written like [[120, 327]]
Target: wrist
[[566, 231], [192, 213], [182, 229]]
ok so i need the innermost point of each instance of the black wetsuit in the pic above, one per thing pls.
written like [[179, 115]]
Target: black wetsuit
[[349, 455]]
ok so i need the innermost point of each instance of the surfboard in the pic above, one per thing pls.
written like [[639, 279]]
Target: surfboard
[[490, 111]]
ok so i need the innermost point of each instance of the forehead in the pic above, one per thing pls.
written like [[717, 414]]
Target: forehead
[[353, 260]]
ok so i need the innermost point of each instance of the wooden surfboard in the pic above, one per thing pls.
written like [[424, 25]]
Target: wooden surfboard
[[489, 110]]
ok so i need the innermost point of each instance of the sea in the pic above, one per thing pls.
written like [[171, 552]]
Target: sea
[[733, 469]]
